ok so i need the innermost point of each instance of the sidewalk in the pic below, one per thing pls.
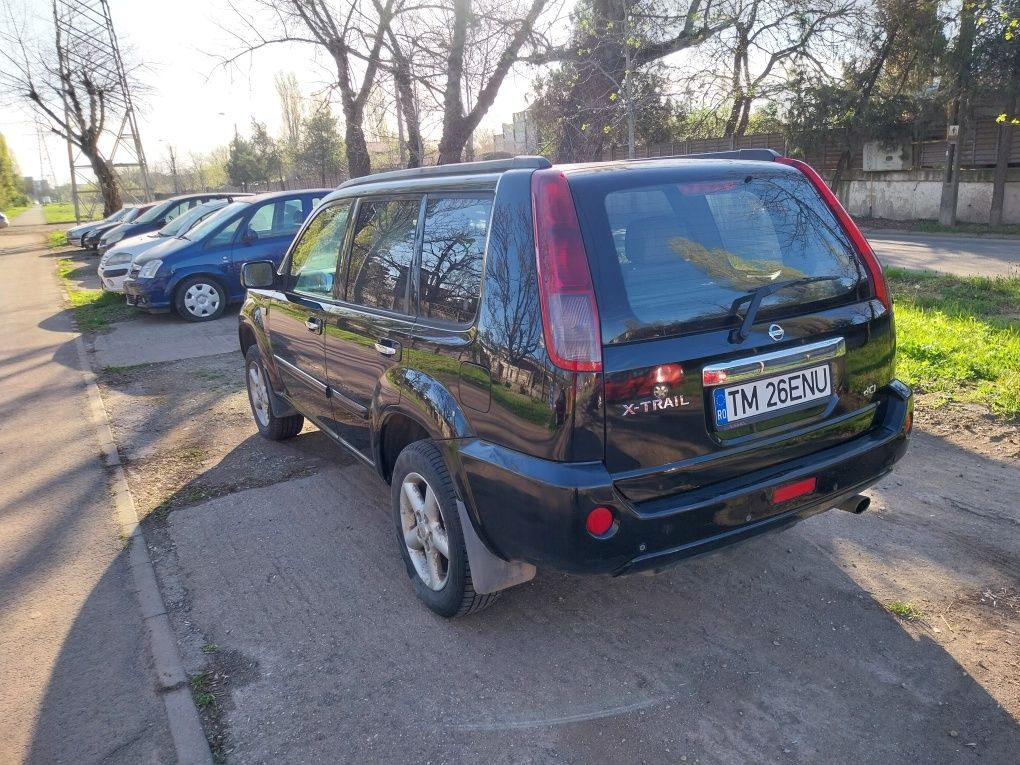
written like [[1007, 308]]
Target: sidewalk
[[78, 684]]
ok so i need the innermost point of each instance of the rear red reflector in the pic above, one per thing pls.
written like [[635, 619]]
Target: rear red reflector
[[858, 240], [793, 490], [570, 315], [600, 521], [713, 376]]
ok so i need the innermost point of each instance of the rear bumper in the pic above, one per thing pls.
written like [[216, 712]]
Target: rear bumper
[[534, 510]]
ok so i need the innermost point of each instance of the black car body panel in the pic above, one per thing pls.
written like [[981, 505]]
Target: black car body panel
[[533, 447]]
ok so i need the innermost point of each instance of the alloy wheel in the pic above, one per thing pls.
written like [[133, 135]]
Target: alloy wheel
[[424, 531]]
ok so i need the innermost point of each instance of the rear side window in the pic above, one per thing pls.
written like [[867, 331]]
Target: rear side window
[[453, 244], [673, 257], [380, 261]]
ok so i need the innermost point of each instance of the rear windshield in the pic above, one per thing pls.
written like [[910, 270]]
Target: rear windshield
[[673, 257]]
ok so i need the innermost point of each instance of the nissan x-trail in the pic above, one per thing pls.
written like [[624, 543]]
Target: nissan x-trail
[[596, 369]]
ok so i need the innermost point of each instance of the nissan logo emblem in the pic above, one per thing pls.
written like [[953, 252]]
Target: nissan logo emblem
[[776, 332]]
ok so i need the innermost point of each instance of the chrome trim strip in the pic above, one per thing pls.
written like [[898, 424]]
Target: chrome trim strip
[[351, 404], [775, 362], [301, 375]]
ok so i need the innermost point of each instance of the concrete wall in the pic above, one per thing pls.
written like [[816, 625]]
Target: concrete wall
[[915, 195]]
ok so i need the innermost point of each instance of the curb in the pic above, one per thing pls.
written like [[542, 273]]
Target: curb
[[182, 716]]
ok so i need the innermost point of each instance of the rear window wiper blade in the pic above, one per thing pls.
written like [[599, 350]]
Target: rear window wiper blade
[[756, 296]]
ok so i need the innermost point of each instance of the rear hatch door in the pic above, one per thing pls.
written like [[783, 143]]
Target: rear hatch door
[[694, 392]]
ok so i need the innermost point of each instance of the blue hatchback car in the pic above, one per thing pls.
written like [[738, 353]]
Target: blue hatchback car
[[198, 274]]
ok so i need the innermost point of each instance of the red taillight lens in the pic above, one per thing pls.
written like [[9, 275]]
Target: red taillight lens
[[570, 316], [793, 490], [856, 237], [600, 521]]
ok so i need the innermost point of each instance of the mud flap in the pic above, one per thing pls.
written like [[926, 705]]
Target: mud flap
[[489, 572]]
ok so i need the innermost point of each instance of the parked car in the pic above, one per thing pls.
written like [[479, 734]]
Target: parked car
[[474, 332], [91, 240], [156, 217], [114, 264], [199, 273], [77, 234], [4, 223]]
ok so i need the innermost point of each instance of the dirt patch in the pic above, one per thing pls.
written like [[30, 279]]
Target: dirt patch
[[185, 433], [969, 426]]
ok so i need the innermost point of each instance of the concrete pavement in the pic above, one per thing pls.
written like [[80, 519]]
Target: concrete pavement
[[953, 254], [33, 216], [77, 682]]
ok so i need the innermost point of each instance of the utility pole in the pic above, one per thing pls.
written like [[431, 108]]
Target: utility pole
[[173, 168]]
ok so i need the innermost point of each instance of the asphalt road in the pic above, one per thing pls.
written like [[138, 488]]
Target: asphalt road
[[961, 255], [76, 684]]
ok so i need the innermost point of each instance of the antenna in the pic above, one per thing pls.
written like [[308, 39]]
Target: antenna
[[88, 25]]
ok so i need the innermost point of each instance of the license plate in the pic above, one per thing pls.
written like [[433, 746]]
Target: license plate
[[771, 394]]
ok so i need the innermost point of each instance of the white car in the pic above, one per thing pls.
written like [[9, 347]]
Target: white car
[[4, 223], [115, 263]]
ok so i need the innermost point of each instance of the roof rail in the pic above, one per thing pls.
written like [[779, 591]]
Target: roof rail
[[460, 168], [761, 155]]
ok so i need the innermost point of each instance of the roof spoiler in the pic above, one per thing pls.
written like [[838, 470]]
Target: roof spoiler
[[760, 155]]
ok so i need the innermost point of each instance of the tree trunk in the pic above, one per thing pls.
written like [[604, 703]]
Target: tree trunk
[[359, 162], [404, 81], [1002, 151], [841, 167], [745, 117], [106, 179], [963, 55]]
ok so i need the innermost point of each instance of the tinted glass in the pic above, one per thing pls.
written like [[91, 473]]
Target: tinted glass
[[673, 257], [131, 215], [453, 244], [191, 217], [314, 258], [157, 212], [380, 262], [209, 224]]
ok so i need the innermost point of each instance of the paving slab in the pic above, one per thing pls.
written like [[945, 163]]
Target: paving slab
[[777, 650], [159, 338]]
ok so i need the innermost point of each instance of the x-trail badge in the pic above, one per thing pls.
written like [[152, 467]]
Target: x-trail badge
[[776, 332]]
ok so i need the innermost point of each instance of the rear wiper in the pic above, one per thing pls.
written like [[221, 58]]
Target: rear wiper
[[757, 295]]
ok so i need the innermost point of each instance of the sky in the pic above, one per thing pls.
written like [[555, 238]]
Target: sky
[[191, 102]]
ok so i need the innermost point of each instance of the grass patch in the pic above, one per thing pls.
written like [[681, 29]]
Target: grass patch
[[13, 212], [959, 337], [201, 691], [904, 609], [57, 239], [63, 212], [93, 309], [931, 227]]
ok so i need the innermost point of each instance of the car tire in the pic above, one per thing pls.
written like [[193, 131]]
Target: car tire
[[426, 520], [200, 298], [257, 381]]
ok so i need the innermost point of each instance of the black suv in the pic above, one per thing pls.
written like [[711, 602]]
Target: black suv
[[598, 369]]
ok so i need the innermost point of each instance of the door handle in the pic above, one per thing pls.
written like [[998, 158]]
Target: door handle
[[314, 324], [386, 350]]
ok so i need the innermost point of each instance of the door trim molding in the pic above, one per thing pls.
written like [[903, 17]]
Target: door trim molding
[[302, 375]]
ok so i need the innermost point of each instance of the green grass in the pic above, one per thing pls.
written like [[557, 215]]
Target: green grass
[[201, 691], [959, 337], [93, 309], [63, 212], [14, 212], [930, 227], [904, 609], [57, 239]]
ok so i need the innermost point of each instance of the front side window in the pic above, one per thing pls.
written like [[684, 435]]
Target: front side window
[[453, 244], [315, 256], [278, 218], [380, 263], [225, 235]]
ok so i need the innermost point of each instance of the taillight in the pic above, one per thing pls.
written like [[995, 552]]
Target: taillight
[[856, 237], [570, 316]]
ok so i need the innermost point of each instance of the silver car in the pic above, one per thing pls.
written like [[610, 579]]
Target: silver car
[[115, 262]]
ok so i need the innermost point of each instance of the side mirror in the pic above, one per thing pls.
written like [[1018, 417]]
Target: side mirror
[[259, 274], [249, 236]]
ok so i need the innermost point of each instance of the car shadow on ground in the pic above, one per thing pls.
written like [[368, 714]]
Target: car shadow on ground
[[771, 651]]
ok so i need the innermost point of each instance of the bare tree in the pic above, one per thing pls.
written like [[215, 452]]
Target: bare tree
[[351, 32], [74, 86]]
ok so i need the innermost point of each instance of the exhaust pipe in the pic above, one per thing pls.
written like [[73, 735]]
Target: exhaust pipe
[[856, 504]]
